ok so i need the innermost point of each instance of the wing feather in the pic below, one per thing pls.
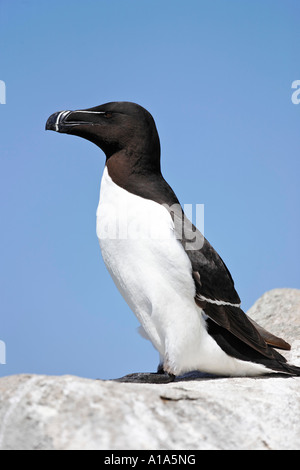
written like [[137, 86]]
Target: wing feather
[[217, 296]]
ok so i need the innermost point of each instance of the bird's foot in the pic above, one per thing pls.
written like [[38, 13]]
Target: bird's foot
[[161, 377], [147, 378]]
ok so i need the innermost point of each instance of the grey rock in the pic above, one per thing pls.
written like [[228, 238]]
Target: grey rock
[[67, 412]]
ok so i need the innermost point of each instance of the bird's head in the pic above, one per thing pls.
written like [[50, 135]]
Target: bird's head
[[114, 127]]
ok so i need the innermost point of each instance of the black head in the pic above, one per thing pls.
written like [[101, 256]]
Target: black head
[[114, 127]]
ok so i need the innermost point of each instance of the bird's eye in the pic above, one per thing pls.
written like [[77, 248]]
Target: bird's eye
[[107, 115]]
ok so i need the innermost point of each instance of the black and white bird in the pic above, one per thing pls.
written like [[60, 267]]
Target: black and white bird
[[171, 277]]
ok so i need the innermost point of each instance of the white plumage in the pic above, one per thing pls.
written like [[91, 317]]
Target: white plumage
[[153, 273]]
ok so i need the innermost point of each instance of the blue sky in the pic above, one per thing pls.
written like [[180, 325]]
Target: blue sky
[[216, 75]]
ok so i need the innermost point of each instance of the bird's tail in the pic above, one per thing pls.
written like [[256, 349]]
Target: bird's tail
[[270, 338], [291, 370]]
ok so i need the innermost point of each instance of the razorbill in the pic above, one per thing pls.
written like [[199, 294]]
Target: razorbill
[[171, 277]]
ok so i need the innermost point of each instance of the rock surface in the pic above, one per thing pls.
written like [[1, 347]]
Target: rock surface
[[66, 412]]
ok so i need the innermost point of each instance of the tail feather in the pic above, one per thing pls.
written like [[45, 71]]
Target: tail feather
[[270, 338], [235, 347], [292, 370]]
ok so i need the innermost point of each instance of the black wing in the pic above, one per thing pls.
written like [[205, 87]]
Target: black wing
[[216, 295]]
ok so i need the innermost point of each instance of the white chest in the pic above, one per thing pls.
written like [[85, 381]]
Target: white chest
[[143, 256], [125, 216]]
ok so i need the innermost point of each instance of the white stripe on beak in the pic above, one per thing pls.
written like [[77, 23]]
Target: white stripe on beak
[[64, 114], [90, 112], [60, 117]]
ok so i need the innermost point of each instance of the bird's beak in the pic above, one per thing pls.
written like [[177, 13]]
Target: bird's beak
[[56, 122], [66, 121]]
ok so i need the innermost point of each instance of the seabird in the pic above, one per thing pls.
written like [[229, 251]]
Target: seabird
[[171, 277]]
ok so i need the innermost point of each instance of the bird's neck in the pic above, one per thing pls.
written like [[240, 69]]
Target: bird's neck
[[127, 164]]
